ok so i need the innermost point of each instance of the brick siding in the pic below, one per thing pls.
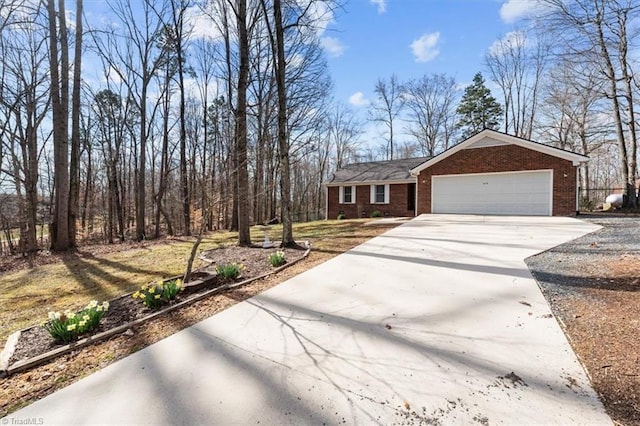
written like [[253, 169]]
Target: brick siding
[[398, 197], [505, 158]]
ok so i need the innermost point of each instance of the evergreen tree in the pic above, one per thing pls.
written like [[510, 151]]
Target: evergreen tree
[[478, 109]]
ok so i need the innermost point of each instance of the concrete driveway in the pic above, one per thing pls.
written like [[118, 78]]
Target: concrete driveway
[[435, 322]]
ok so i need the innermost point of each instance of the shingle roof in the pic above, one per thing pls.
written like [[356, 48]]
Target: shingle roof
[[377, 171]]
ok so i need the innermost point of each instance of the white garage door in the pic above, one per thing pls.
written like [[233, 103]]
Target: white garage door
[[517, 193]]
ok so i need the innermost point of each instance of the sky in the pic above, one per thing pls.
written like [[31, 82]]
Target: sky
[[372, 39], [365, 40]]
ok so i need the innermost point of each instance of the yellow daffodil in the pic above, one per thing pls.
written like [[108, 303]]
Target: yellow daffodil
[[71, 327], [82, 323], [152, 290], [157, 297], [86, 318]]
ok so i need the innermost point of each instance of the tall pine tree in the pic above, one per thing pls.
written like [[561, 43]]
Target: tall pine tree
[[478, 109]]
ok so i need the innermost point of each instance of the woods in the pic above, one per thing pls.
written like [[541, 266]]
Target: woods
[[188, 114], [176, 116]]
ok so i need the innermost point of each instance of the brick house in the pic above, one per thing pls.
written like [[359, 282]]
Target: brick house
[[489, 173]]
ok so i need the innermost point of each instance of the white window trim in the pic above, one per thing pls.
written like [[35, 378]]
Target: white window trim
[[353, 195], [373, 194]]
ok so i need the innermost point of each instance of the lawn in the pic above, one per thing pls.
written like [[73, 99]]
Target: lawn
[[27, 295]]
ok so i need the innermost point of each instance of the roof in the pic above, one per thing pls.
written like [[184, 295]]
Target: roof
[[377, 171], [490, 137]]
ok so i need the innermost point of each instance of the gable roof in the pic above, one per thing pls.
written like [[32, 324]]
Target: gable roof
[[487, 138], [398, 171]]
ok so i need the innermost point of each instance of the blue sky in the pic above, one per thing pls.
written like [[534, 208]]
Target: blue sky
[[370, 39]]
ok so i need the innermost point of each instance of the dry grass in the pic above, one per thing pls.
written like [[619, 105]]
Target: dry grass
[[328, 239], [27, 295]]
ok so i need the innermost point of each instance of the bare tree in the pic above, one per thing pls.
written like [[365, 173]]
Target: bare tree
[[24, 105], [516, 64], [343, 133], [572, 107], [431, 104], [178, 38], [596, 32], [388, 107], [74, 164], [59, 72], [130, 50]]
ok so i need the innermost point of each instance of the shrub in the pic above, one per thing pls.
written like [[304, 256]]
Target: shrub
[[376, 213], [277, 259], [67, 326], [155, 295], [341, 216], [229, 270]]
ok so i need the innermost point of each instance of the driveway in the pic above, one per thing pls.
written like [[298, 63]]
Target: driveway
[[437, 321]]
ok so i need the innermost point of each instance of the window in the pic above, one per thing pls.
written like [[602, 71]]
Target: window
[[379, 194], [347, 194]]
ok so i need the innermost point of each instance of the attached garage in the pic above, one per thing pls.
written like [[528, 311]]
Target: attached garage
[[496, 173], [508, 193]]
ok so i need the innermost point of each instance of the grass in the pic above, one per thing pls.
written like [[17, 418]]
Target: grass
[[26, 296]]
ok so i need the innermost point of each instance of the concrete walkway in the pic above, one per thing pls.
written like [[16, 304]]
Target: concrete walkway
[[435, 322]]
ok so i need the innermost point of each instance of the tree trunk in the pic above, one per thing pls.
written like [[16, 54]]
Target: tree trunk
[[184, 177], [244, 238], [59, 105], [283, 141], [74, 166], [611, 74]]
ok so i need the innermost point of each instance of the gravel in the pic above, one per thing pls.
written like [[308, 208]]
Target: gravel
[[567, 268]]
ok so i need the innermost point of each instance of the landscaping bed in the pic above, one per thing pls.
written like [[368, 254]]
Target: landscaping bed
[[593, 287], [35, 344]]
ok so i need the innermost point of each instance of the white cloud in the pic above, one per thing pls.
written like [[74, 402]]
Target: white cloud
[[512, 10], [201, 24], [358, 99], [382, 5], [426, 47], [319, 13], [332, 46], [512, 40]]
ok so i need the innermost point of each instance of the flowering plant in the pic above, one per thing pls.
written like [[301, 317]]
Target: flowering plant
[[277, 259], [229, 270], [158, 294], [67, 326]]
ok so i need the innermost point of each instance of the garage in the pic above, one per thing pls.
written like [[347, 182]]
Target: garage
[[509, 193], [500, 174]]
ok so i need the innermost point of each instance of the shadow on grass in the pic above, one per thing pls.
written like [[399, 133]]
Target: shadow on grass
[[94, 277]]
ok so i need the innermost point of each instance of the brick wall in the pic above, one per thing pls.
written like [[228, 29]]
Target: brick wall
[[504, 158], [398, 197]]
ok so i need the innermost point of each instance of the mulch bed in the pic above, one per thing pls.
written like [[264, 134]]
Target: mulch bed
[[123, 310], [593, 287]]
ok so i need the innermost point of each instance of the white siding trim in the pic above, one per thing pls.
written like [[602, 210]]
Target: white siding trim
[[341, 194], [372, 194]]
